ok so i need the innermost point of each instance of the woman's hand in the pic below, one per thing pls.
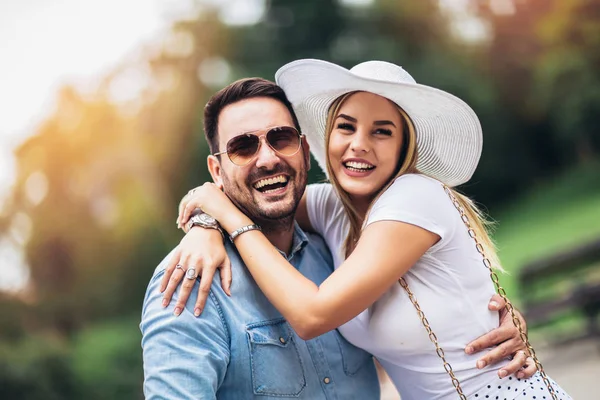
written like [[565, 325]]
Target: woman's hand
[[181, 224], [203, 250], [211, 200]]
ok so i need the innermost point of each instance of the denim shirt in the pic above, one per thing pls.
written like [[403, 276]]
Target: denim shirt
[[242, 348]]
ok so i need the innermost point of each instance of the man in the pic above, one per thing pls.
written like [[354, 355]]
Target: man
[[241, 347]]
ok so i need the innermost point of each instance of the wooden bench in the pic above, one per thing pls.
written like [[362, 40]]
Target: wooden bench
[[564, 286]]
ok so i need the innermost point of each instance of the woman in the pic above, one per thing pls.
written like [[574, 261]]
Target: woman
[[392, 149]]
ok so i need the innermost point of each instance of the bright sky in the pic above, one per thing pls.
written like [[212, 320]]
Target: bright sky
[[46, 43]]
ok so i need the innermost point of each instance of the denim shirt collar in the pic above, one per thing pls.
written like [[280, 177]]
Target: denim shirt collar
[[299, 241]]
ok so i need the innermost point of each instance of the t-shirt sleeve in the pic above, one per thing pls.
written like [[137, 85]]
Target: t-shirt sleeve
[[417, 200], [323, 206]]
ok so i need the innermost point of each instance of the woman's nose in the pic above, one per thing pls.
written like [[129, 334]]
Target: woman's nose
[[360, 142]]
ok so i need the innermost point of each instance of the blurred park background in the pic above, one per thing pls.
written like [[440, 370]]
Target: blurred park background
[[101, 134]]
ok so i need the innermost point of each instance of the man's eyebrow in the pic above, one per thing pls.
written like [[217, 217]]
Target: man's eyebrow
[[349, 118], [384, 122]]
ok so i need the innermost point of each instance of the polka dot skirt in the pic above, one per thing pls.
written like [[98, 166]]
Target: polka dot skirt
[[512, 388]]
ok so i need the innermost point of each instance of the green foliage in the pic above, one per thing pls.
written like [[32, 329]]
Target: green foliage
[[543, 64], [101, 362], [107, 360], [551, 217], [11, 318], [36, 368], [566, 78]]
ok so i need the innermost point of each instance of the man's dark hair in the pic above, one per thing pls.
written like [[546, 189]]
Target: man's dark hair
[[240, 90]]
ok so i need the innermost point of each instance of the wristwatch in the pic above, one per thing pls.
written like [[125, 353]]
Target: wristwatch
[[205, 221]]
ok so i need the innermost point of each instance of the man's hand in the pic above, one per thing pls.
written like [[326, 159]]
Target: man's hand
[[504, 342]]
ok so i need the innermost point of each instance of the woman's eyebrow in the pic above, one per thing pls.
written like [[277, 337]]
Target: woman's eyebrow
[[384, 122], [376, 123], [349, 118]]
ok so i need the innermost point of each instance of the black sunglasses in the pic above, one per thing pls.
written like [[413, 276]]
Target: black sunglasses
[[242, 149]]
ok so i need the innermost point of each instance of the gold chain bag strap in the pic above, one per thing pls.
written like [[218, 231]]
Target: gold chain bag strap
[[501, 292]]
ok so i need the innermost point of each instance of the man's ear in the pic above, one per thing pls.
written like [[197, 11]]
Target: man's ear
[[306, 151], [214, 167]]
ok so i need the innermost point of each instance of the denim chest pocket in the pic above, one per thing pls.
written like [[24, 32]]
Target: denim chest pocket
[[353, 358], [277, 368]]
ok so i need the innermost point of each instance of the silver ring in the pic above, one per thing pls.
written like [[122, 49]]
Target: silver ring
[[179, 266], [191, 273]]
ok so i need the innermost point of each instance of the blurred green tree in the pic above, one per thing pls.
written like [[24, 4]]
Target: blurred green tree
[[543, 61], [100, 180], [36, 368]]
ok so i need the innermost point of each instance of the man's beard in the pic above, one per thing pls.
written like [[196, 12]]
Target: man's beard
[[270, 220]]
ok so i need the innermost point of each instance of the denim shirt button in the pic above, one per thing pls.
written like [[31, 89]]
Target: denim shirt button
[[282, 340], [326, 380]]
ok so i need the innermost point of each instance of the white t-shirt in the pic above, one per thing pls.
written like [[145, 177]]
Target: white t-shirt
[[449, 281]]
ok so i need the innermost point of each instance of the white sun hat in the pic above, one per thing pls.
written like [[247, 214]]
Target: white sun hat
[[449, 137]]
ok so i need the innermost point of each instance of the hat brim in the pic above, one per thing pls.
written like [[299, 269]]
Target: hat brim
[[449, 136]]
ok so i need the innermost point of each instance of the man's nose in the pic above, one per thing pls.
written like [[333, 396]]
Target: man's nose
[[267, 157]]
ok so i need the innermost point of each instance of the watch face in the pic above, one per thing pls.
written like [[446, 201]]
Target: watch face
[[207, 219]]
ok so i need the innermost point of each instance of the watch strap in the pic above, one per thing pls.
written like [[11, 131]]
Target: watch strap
[[192, 224]]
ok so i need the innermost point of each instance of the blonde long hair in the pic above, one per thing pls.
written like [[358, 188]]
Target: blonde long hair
[[407, 164]]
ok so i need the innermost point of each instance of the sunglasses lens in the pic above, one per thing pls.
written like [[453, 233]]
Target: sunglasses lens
[[242, 148], [285, 140]]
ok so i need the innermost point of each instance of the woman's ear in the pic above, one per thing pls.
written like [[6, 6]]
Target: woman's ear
[[214, 167]]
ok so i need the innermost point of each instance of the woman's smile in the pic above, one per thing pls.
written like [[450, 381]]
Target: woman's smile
[[357, 167]]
